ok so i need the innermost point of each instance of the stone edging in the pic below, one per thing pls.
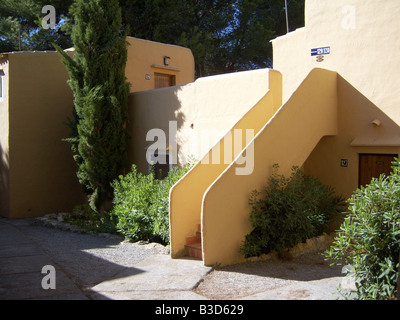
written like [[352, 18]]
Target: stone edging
[[56, 221], [312, 245]]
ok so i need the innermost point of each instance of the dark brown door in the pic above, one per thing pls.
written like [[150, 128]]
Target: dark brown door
[[373, 165], [163, 80]]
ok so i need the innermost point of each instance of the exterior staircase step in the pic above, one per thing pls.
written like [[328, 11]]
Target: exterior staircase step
[[194, 250], [193, 245]]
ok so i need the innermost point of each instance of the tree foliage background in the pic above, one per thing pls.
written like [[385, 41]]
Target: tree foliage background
[[224, 35], [21, 25]]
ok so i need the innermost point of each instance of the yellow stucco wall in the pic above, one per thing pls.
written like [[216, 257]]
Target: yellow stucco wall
[[364, 42], [37, 169], [364, 45], [325, 118], [186, 197], [309, 115], [4, 129], [357, 135], [207, 108], [145, 58], [42, 175]]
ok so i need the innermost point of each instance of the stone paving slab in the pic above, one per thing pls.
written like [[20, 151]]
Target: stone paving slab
[[157, 273], [21, 263], [24, 249], [11, 236], [24, 264], [25, 286], [149, 295], [312, 290]]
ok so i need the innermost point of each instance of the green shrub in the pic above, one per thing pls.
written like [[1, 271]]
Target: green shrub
[[369, 238], [141, 204], [289, 211]]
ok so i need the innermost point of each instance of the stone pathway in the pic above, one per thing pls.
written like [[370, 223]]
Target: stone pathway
[[103, 267]]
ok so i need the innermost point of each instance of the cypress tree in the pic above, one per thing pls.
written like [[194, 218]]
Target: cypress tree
[[97, 78]]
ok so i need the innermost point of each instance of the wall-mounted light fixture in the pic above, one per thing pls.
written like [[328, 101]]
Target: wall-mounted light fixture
[[377, 122], [166, 60]]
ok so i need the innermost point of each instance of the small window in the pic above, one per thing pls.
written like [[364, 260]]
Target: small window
[[163, 80]]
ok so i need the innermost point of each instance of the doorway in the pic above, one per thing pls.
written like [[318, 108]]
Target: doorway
[[164, 80], [373, 165]]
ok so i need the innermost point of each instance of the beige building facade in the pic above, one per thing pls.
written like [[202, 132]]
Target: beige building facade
[[339, 121], [364, 51], [331, 105], [37, 169], [202, 113], [38, 174], [152, 65]]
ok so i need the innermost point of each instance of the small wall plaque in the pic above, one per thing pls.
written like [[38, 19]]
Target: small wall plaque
[[344, 163], [320, 51]]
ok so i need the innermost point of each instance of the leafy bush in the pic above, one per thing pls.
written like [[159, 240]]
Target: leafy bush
[[369, 238], [141, 204], [288, 212]]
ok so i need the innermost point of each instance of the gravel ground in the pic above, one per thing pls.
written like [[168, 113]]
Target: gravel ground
[[247, 279]]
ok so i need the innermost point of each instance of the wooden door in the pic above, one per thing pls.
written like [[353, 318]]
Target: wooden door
[[162, 80], [373, 165]]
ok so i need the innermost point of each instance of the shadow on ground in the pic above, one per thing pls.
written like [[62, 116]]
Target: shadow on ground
[[253, 278], [309, 267], [81, 261]]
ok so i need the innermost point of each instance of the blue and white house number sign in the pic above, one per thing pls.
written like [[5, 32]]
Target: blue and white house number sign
[[320, 51]]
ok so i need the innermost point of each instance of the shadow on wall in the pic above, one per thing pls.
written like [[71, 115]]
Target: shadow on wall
[[4, 183], [357, 134], [149, 110], [356, 116]]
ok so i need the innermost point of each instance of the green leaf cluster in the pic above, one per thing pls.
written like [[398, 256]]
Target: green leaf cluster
[[224, 35], [369, 238], [141, 204], [21, 25], [289, 211]]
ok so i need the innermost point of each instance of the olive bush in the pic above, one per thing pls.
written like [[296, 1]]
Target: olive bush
[[289, 211], [369, 238], [141, 204]]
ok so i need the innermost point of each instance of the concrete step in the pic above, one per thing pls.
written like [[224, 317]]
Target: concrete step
[[193, 245], [194, 250]]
